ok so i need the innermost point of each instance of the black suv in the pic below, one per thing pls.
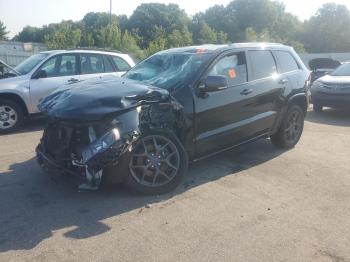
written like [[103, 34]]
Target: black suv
[[177, 106]]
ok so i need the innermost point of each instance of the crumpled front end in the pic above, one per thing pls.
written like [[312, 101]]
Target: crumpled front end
[[89, 150], [86, 149]]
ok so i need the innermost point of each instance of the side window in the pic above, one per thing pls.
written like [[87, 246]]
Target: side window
[[67, 66], [286, 62], [262, 63], [108, 64], [120, 64], [91, 64], [50, 67], [233, 67]]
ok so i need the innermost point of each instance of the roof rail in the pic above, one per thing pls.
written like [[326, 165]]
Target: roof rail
[[96, 49], [256, 43]]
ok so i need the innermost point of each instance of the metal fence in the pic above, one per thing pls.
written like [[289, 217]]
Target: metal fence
[[13, 53], [14, 59]]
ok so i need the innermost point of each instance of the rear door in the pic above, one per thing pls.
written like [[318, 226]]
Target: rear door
[[268, 87], [289, 70], [95, 65], [57, 71]]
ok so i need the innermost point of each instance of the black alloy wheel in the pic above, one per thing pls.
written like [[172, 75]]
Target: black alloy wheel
[[157, 164], [291, 128]]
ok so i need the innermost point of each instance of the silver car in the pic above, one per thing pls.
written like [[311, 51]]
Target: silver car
[[23, 87]]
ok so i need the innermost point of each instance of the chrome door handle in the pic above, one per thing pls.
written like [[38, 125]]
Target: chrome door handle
[[283, 81], [73, 80]]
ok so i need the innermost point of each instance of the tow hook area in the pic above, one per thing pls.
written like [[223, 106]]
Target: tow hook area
[[93, 178]]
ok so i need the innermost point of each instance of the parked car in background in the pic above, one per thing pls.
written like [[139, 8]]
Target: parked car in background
[[176, 106], [22, 89], [332, 90], [322, 66]]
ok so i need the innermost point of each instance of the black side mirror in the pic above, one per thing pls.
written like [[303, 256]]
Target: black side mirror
[[40, 74], [213, 84]]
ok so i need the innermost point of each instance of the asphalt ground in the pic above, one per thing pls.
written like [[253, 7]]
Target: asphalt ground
[[254, 203]]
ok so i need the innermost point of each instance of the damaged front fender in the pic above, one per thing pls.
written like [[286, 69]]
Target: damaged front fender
[[90, 149]]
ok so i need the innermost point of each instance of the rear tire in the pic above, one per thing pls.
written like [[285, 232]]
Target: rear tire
[[158, 169], [11, 116], [291, 128], [317, 107]]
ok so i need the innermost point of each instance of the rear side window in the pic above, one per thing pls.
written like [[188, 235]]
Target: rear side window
[[92, 64], [286, 62], [108, 65], [68, 65], [233, 67], [262, 63], [120, 64]]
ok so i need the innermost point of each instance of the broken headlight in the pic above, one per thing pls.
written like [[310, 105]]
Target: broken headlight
[[100, 145]]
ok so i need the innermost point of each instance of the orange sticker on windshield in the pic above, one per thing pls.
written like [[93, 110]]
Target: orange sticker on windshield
[[232, 73]]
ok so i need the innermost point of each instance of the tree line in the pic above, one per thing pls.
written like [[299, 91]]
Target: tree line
[[154, 26]]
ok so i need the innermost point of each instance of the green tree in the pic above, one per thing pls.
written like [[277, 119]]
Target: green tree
[[64, 36], [328, 30], [30, 34], [204, 34], [91, 27], [3, 31], [179, 38], [155, 46], [148, 20], [222, 19]]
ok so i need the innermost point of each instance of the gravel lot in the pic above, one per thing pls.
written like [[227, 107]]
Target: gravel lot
[[255, 203]]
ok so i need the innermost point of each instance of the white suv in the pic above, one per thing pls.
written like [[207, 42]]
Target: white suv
[[42, 73]]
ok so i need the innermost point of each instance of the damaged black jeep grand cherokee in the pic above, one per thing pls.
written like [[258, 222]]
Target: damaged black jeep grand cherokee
[[177, 106]]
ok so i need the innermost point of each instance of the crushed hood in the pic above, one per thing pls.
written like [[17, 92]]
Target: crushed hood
[[98, 98], [323, 63]]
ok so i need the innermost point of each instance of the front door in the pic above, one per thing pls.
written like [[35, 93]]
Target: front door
[[57, 71], [246, 109], [221, 115]]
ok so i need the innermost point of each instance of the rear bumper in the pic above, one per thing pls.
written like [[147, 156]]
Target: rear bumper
[[331, 100]]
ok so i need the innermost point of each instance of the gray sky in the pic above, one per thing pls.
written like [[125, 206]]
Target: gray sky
[[18, 13]]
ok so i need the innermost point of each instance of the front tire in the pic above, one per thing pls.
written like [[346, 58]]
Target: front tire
[[11, 116], [156, 164], [291, 128]]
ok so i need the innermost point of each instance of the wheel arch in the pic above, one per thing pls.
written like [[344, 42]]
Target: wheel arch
[[17, 99], [298, 99], [301, 100]]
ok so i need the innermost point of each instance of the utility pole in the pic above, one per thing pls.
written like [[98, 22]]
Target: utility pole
[[110, 11]]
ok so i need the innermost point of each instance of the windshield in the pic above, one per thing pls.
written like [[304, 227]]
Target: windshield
[[165, 70], [343, 70], [27, 65]]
